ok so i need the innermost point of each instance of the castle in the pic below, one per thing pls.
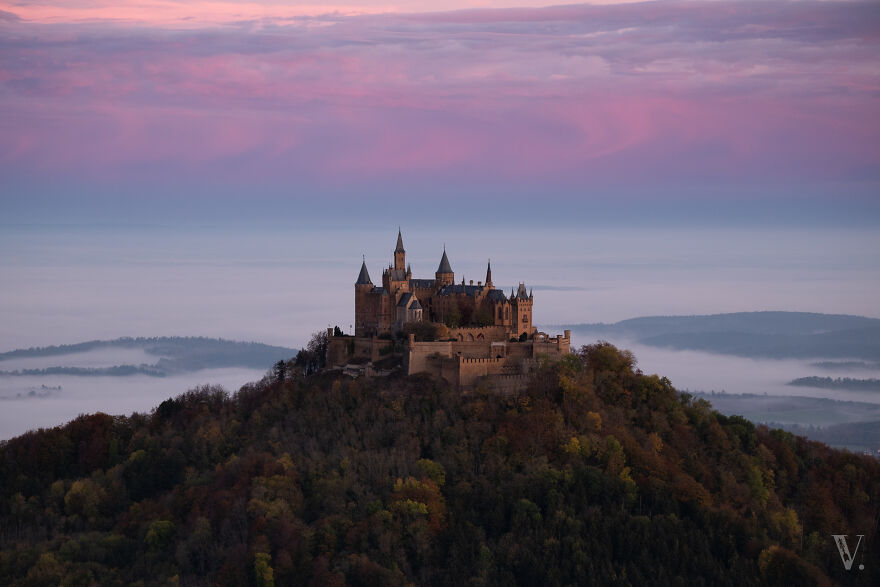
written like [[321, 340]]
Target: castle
[[468, 331]]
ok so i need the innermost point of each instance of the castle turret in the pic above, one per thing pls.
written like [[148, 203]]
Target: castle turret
[[489, 283], [364, 276], [521, 304], [399, 253], [364, 311], [444, 274]]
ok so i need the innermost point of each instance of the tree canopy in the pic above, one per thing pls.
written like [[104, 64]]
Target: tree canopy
[[596, 474]]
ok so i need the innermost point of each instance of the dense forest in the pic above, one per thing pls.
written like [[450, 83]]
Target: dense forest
[[596, 474]]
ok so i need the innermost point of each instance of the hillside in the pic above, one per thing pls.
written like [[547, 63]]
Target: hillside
[[752, 334], [598, 474], [167, 355]]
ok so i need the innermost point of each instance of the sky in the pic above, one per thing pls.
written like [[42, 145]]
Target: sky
[[172, 167], [518, 112]]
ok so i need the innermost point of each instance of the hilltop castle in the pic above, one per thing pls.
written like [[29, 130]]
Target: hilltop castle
[[473, 331], [402, 299]]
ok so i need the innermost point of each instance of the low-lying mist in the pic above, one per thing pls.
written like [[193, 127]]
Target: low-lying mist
[[701, 371], [29, 402]]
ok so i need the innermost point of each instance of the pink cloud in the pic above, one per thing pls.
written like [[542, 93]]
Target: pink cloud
[[573, 95]]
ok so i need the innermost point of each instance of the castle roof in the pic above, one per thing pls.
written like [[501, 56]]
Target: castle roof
[[521, 292], [404, 300], [415, 305], [469, 290], [399, 248], [422, 283], [444, 267], [364, 277], [397, 274], [496, 295]]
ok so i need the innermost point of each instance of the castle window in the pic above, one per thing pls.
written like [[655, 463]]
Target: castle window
[[525, 319]]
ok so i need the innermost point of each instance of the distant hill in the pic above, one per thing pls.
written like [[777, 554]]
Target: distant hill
[[173, 355], [595, 475], [752, 334], [837, 383]]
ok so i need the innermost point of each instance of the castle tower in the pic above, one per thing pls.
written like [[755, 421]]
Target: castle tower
[[444, 274], [364, 321], [399, 253], [521, 303], [489, 284], [363, 276]]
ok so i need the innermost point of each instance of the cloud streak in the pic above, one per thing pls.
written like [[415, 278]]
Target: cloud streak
[[665, 94]]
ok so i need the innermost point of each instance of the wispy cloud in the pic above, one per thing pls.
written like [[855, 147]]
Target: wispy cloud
[[657, 93]]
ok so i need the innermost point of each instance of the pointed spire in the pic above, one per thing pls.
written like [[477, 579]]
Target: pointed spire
[[364, 277], [444, 267], [399, 248], [489, 274], [530, 293]]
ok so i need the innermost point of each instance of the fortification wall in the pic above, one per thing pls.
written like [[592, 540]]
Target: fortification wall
[[339, 350], [484, 333], [471, 370], [418, 353], [342, 350]]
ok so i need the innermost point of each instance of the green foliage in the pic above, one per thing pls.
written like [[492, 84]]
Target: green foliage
[[265, 576], [423, 331], [596, 474], [160, 535], [453, 316]]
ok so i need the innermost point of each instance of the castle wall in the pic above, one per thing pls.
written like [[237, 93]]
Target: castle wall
[[342, 350], [416, 359], [367, 311], [486, 333]]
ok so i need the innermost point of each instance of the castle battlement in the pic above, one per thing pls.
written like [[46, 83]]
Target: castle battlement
[[468, 360], [484, 331]]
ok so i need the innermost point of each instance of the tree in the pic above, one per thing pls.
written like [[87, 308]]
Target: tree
[[452, 317], [313, 358], [279, 370], [423, 331]]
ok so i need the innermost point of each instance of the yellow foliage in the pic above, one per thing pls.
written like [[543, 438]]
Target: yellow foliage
[[594, 421]]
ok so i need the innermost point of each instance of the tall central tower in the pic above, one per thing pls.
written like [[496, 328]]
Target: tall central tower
[[399, 253]]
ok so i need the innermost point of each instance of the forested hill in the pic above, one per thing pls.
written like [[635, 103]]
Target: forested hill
[[173, 354], [752, 334], [597, 474]]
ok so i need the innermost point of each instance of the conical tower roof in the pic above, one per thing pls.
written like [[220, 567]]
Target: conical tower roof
[[444, 267], [489, 272], [399, 248], [364, 277]]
